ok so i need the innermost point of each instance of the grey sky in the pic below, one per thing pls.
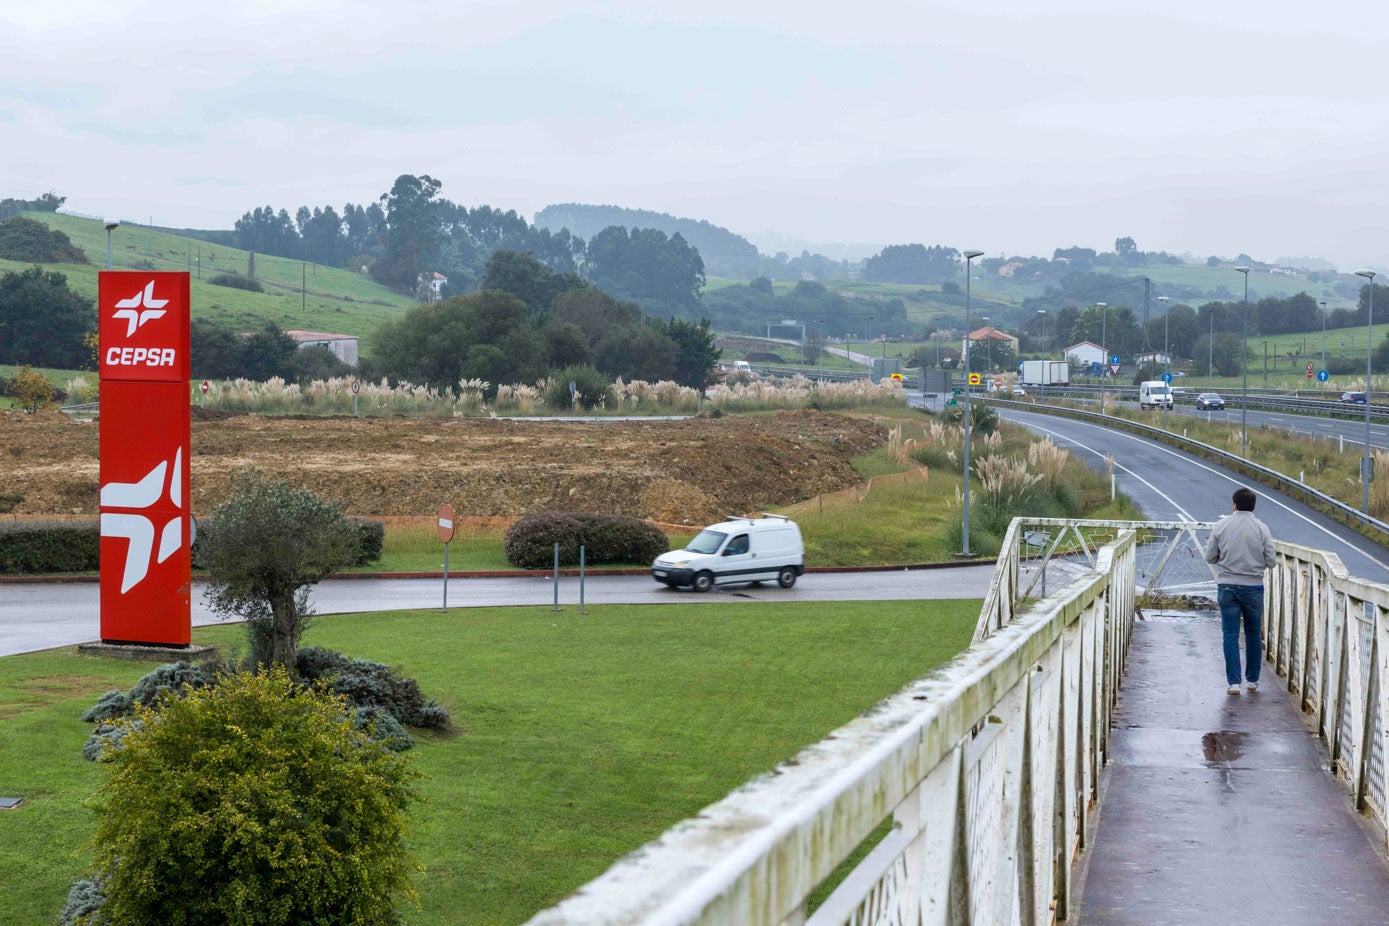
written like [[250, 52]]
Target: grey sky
[[1015, 127]]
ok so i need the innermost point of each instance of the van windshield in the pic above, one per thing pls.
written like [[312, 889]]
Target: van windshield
[[1157, 390], [707, 541]]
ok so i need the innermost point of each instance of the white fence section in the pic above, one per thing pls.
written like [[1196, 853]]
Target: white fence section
[[1325, 632], [981, 775]]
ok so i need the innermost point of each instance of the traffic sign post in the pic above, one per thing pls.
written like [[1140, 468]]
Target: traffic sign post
[[446, 535], [356, 387], [1166, 378], [1310, 374], [1114, 369], [976, 378], [1323, 376]]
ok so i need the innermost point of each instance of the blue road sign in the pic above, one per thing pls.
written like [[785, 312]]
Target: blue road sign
[[1166, 377], [1114, 359], [1323, 376]]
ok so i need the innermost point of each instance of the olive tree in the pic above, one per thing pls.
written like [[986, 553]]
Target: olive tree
[[263, 551]]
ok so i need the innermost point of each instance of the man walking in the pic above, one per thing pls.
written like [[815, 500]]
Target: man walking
[[1241, 548]]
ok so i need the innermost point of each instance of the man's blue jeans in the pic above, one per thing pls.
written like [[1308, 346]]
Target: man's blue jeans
[[1242, 604]]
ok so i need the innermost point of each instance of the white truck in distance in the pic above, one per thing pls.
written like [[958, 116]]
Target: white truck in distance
[[1045, 373]]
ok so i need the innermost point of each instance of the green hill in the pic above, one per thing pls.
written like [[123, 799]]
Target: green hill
[[332, 300]]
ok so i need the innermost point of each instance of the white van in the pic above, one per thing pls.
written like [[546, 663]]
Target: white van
[[1154, 394], [736, 550]]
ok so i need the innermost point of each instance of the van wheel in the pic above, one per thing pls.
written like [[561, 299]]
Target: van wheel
[[786, 578], [703, 581]]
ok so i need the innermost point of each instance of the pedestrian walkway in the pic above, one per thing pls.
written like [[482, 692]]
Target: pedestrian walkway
[[1218, 808]]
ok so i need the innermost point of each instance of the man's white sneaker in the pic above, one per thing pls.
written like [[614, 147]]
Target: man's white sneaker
[[1233, 689], [1252, 686]]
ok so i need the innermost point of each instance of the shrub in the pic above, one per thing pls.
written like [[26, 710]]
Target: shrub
[[34, 242], [590, 386], [371, 685], [606, 538], [236, 281], [253, 801], [371, 540], [9, 501], [30, 390], [84, 904], [46, 546]]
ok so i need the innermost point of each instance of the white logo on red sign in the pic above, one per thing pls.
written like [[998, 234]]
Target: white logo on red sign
[[137, 528], [144, 300]]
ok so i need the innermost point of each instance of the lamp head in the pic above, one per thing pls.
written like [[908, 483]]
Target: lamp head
[[1367, 274], [1102, 305], [1243, 270], [1164, 299], [112, 224], [971, 255]]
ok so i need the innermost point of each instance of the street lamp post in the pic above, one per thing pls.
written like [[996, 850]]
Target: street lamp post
[[1210, 355], [1323, 346], [1166, 358], [111, 225], [1046, 367], [1367, 467], [1244, 370], [1104, 349], [969, 422]]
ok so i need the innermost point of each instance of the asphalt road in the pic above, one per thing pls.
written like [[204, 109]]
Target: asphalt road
[[1352, 431], [1168, 484], [36, 616]]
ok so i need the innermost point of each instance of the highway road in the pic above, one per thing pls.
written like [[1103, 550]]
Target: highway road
[[36, 616], [1169, 484], [1332, 429]]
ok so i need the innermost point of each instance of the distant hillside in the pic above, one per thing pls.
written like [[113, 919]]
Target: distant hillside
[[337, 301], [725, 254]]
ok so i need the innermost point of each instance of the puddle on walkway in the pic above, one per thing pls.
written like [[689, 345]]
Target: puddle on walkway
[[1221, 747]]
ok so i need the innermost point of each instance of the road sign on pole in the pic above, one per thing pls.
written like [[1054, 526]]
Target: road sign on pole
[[1323, 376], [1166, 377], [1114, 360], [1310, 374], [446, 534], [975, 379], [1114, 369]]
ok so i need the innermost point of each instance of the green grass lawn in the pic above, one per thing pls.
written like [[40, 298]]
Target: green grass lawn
[[580, 737]]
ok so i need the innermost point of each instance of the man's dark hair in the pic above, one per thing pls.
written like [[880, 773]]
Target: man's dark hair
[[1244, 499]]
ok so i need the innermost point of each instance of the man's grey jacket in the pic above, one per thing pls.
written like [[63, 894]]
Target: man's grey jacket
[[1241, 548]]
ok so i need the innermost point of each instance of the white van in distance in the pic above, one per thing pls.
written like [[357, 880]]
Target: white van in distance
[[734, 551], [1154, 393]]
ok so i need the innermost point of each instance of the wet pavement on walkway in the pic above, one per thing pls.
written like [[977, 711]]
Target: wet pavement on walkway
[[1219, 808]]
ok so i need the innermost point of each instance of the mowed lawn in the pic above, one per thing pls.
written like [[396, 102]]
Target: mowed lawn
[[579, 737]]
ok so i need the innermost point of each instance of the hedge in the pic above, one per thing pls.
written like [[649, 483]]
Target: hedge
[[38, 547], [606, 538], [49, 546]]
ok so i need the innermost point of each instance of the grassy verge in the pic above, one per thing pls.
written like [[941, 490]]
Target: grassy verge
[[581, 737]]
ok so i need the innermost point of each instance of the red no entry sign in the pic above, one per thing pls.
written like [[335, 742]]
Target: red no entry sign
[[445, 523]]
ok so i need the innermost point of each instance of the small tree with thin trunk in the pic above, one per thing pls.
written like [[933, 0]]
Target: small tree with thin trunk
[[263, 551]]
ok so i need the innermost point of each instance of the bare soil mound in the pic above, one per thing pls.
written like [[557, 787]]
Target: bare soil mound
[[679, 472]]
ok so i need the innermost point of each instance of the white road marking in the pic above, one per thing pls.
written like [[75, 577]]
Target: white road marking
[[1226, 476]]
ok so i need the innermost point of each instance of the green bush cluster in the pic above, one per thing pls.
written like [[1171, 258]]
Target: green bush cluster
[[253, 800], [237, 281], [49, 546], [378, 700], [606, 538], [372, 686], [590, 387], [34, 242]]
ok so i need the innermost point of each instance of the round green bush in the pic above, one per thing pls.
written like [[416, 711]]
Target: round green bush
[[606, 539], [590, 386], [251, 801]]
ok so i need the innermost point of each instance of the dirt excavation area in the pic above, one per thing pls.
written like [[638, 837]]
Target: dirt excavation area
[[680, 472]]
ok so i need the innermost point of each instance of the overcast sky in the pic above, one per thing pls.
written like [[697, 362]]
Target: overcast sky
[[1215, 127]]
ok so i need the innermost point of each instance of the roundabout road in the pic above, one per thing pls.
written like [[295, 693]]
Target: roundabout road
[[37, 616]]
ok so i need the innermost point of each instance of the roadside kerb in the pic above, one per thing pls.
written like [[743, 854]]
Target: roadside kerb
[[522, 573], [1373, 528]]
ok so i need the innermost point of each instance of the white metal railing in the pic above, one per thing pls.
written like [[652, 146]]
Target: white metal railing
[[1326, 633], [987, 770]]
